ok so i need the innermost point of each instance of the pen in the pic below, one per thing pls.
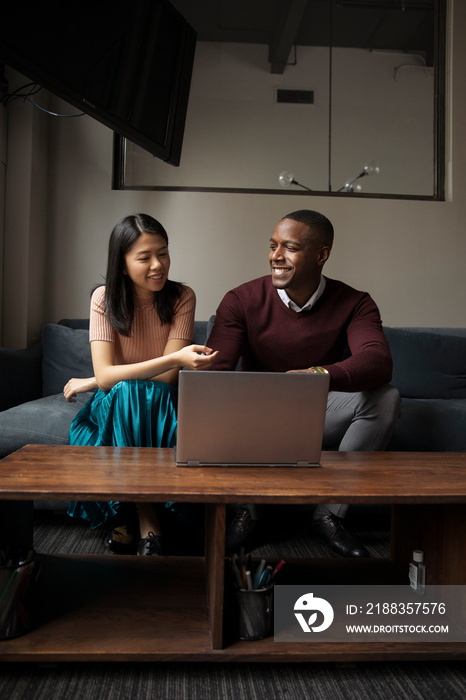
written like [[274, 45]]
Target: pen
[[258, 574], [236, 572], [265, 578], [248, 580]]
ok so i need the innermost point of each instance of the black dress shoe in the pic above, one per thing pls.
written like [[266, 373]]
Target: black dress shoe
[[332, 533], [150, 545], [238, 529], [121, 540]]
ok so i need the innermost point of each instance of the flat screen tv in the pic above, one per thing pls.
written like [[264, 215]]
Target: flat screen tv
[[128, 63]]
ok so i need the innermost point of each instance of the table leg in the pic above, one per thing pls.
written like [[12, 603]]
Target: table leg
[[215, 569], [16, 524]]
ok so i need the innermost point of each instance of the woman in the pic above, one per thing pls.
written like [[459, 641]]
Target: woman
[[140, 330]]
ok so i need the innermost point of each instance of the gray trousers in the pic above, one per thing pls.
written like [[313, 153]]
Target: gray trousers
[[361, 421]]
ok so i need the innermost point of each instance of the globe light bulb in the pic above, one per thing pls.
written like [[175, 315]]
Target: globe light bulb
[[352, 186], [286, 178], [371, 168]]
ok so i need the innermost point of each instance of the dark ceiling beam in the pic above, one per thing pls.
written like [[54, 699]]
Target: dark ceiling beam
[[285, 35]]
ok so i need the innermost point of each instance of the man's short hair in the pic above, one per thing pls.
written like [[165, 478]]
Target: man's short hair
[[315, 221]]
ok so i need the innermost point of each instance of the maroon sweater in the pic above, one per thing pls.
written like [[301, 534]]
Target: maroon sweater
[[342, 332]]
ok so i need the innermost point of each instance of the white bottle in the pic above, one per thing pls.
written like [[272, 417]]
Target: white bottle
[[417, 572]]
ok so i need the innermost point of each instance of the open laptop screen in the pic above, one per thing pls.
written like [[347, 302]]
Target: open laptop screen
[[250, 418]]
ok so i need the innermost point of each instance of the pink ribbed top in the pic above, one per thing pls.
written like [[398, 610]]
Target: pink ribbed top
[[148, 336]]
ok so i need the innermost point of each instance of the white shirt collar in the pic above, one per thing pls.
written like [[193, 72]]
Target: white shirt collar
[[310, 302]]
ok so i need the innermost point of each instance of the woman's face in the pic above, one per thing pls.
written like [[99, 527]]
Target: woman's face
[[147, 263]]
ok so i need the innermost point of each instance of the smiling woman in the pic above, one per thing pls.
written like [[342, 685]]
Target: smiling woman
[[141, 326], [147, 264]]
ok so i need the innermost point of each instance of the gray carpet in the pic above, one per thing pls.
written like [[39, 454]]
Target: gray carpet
[[282, 531], [278, 535], [397, 681]]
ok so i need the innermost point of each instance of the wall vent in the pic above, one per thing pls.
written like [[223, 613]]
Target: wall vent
[[302, 97]]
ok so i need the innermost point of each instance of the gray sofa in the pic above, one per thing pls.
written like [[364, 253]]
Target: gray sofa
[[429, 371]]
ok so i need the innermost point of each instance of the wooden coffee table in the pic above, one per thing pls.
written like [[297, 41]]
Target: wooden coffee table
[[115, 608]]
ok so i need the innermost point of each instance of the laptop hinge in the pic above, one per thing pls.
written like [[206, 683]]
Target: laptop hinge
[[303, 463], [192, 463]]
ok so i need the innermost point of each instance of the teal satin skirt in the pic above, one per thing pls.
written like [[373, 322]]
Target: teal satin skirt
[[132, 414]]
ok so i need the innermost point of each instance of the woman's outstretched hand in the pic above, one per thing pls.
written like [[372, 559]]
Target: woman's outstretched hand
[[196, 356]]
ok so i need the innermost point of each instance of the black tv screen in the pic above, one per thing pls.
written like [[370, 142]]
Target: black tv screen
[[128, 63]]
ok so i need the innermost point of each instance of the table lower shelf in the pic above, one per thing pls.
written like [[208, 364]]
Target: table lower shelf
[[155, 609]]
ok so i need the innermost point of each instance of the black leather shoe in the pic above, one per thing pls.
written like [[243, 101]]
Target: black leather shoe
[[150, 545], [332, 533], [238, 529], [121, 540]]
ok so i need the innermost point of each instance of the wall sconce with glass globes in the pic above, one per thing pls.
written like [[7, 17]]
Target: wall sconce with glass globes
[[286, 179]]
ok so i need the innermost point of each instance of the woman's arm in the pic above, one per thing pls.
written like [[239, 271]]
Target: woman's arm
[[77, 386], [173, 345], [107, 373]]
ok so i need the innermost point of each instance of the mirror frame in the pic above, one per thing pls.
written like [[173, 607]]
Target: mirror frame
[[120, 143]]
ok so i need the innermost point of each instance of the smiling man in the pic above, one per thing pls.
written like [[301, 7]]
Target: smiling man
[[295, 319]]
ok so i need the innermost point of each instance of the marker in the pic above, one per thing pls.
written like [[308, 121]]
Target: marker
[[277, 569]]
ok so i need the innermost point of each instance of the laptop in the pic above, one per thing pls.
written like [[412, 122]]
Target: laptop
[[270, 419]]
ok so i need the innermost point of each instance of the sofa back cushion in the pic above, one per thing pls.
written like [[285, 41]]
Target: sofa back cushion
[[66, 354], [428, 365]]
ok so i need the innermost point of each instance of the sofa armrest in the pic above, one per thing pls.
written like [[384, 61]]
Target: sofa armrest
[[20, 376]]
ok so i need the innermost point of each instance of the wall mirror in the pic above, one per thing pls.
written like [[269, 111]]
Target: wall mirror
[[332, 96]]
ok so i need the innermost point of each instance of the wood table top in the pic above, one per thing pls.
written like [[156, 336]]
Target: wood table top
[[43, 472]]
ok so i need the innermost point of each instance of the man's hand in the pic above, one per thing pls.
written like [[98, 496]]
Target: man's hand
[[309, 370]]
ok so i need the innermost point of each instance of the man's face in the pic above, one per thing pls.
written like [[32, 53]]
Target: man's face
[[296, 259]]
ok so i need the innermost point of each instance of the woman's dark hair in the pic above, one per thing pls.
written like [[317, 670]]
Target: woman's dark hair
[[119, 300]]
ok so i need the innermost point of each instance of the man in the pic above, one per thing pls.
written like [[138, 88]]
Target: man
[[294, 320]]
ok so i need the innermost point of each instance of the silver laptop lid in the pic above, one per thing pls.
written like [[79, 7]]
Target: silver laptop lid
[[250, 418]]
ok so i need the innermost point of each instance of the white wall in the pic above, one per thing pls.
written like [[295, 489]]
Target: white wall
[[410, 255], [237, 135]]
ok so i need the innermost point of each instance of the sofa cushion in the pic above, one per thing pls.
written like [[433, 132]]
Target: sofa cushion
[[66, 354], [44, 421], [427, 364], [210, 325], [430, 425], [75, 323], [200, 332]]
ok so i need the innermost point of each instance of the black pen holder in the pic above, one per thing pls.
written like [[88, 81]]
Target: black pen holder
[[17, 597], [255, 612]]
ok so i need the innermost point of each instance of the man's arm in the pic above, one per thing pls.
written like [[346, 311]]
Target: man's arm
[[369, 364], [228, 334]]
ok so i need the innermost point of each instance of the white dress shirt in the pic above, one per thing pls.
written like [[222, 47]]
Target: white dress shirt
[[310, 302]]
